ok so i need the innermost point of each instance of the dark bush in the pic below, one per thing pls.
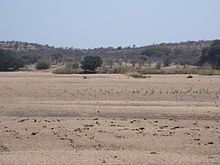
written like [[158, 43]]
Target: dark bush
[[211, 55], [157, 51], [90, 63], [42, 65]]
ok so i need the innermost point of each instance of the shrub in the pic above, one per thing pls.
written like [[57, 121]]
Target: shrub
[[10, 62], [188, 71], [73, 65], [42, 65], [67, 71], [135, 75], [206, 72], [158, 65], [207, 66], [115, 70], [25, 69]]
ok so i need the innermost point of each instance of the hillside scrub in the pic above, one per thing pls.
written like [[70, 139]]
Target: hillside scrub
[[157, 51], [181, 53]]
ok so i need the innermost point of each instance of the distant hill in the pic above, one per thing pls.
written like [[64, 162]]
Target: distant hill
[[182, 53]]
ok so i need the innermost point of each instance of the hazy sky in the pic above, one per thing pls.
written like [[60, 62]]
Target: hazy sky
[[96, 23]]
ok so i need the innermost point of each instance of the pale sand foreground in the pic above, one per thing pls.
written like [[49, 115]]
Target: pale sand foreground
[[109, 119]]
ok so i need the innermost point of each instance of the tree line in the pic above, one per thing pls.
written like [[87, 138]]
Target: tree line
[[10, 62], [181, 53], [210, 55]]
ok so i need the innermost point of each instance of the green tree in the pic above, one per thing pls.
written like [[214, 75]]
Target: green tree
[[166, 61], [10, 62], [211, 55], [109, 62], [143, 58], [56, 57], [90, 63], [31, 59]]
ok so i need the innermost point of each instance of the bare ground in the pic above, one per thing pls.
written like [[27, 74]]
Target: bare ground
[[109, 119]]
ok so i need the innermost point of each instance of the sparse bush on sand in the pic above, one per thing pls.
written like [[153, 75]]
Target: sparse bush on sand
[[72, 65], [141, 71], [207, 72], [135, 75], [67, 71]]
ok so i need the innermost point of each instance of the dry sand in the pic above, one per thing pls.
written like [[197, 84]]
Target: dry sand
[[48, 119]]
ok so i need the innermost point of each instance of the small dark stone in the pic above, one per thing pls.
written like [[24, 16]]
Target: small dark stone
[[34, 133]]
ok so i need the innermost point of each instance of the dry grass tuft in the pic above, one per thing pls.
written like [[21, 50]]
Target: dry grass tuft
[[135, 75], [67, 71]]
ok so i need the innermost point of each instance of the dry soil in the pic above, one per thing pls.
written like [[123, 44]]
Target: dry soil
[[48, 119]]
